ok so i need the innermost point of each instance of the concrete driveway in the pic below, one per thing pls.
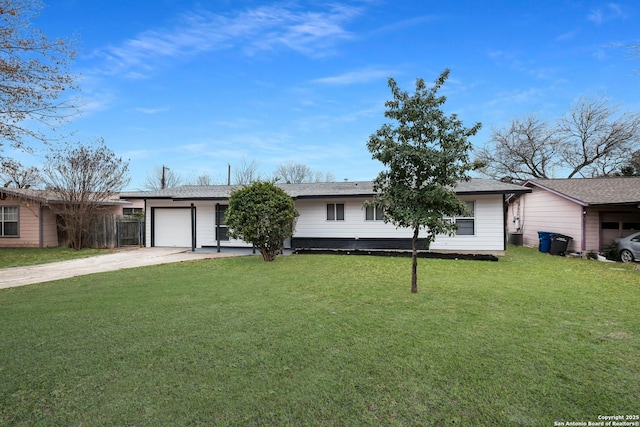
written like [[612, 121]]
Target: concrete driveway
[[127, 258]]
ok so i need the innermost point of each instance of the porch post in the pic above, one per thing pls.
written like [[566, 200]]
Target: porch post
[[193, 228], [218, 225]]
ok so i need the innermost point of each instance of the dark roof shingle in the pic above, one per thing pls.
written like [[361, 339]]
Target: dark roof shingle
[[315, 190], [594, 191]]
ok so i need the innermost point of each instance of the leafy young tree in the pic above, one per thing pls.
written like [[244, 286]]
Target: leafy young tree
[[262, 214], [13, 174], [34, 76], [82, 179], [426, 154]]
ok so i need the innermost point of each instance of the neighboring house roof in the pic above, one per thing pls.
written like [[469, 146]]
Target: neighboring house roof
[[24, 193], [49, 198], [593, 191], [316, 190]]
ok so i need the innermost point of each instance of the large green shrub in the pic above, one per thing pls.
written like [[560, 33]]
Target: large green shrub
[[262, 214]]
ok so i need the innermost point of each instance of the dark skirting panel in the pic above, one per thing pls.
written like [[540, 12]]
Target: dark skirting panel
[[336, 243], [376, 247]]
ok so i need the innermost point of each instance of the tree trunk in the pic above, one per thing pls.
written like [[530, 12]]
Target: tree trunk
[[414, 261], [267, 255]]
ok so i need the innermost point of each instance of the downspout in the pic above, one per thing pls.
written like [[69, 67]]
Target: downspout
[[583, 246], [193, 228], [41, 224], [505, 216]]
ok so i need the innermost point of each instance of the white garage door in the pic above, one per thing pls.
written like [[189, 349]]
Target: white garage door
[[172, 227]]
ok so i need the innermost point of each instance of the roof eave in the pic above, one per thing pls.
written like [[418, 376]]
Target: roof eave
[[557, 193], [489, 192]]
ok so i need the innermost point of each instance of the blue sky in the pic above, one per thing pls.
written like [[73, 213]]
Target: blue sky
[[197, 85]]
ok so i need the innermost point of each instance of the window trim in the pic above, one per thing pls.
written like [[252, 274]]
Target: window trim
[[3, 221], [377, 214], [333, 212], [133, 211], [220, 223], [468, 219]]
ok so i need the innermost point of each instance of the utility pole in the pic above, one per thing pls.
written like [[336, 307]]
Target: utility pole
[[162, 180]]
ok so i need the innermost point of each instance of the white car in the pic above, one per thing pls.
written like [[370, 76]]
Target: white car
[[629, 247]]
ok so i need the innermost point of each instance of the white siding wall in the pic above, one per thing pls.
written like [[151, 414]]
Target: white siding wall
[[489, 228], [545, 211], [312, 223], [489, 223], [205, 222]]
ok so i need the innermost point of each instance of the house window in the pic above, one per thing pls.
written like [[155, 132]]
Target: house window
[[466, 224], [9, 221], [373, 213], [631, 226], [335, 211], [132, 211]]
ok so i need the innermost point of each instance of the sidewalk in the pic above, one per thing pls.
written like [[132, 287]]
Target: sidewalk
[[139, 257]]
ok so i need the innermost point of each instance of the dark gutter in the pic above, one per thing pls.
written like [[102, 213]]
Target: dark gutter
[[490, 192], [333, 196]]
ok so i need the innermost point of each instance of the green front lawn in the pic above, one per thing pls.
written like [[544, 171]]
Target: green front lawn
[[20, 257], [325, 340]]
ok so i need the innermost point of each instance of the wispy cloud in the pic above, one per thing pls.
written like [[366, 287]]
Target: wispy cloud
[[353, 77], [512, 61], [569, 35], [251, 31], [405, 24], [599, 54], [515, 97], [151, 111], [610, 12]]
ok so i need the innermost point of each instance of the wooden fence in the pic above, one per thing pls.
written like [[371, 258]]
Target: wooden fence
[[113, 231]]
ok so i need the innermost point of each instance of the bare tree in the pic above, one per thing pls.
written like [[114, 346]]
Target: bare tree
[[593, 139], [293, 173], [34, 76], [83, 180], [161, 177], [247, 173], [324, 177], [596, 140], [13, 174], [203, 179], [296, 173], [526, 148]]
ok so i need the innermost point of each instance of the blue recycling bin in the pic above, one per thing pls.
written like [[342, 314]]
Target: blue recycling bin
[[544, 241]]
